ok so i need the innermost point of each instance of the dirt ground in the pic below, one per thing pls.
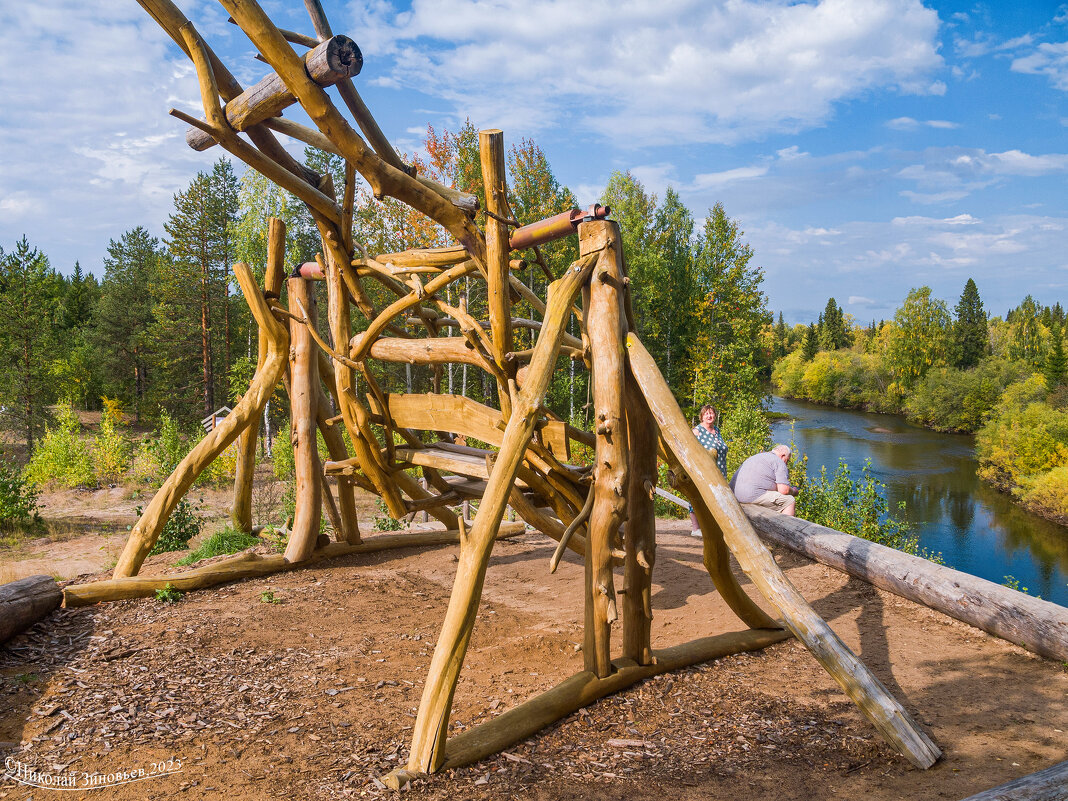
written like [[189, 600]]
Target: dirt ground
[[306, 684]]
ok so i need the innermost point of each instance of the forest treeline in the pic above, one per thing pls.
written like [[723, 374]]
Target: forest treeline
[[160, 327], [1002, 378]]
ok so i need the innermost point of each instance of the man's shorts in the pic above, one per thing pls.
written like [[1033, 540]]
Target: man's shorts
[[774, 500]]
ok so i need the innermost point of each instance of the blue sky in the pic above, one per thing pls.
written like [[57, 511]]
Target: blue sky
[[864, 146]]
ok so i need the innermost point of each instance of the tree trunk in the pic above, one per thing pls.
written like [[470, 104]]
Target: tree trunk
[[24, 602]]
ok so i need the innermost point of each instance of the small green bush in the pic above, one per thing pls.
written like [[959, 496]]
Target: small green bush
[[18, 497], [221, 542], [853, 506], [183, 525], [111, 451], [61, 457], [746, 431], [169, 594], [385, 521]]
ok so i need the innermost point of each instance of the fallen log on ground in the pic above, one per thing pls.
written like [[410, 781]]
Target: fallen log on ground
[[1050, 784], [24, 602], [249, 565], [1034, 624]]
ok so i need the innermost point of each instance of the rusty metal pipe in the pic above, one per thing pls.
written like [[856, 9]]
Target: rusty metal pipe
[[556, 227]]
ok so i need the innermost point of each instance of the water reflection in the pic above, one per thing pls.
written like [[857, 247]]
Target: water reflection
[[977, 529]]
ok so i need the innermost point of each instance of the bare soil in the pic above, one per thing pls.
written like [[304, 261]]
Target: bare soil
[[313, 695]]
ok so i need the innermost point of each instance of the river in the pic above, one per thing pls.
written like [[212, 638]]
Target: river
[[976, 529]]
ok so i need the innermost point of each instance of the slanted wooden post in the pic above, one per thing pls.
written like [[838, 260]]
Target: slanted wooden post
[[606, 327], [245, 470], [432, 722], [304, 397]]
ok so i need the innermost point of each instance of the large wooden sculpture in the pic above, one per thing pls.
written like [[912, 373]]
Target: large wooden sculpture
[[604, 512]]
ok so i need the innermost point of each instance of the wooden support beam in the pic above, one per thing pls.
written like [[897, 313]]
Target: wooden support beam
[[147, 530], [248, 565], [326, 64], [1050, 784], [24, 602], [244, 471], [491, 154], [432, 722], [866, 691], [639, 541], [304, 396], [346, 525], [584, 688], [1034, 624], [606, 327]]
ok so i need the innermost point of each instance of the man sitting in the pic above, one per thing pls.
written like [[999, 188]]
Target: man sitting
[[764, 480]]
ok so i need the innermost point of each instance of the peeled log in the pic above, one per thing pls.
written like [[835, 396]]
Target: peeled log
[[335, 59], [1046, 785], [24, 602], [1034, 624]]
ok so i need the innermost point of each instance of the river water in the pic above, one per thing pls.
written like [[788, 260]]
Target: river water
[[976, 529]]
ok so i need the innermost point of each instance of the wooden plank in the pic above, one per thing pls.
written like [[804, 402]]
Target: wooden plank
[[461, 463], [1050, 784], [24, 602], [1034, 624]]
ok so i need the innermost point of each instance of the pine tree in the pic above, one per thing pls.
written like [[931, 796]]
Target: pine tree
[[729, 317], [1056, 366], [124, 316], [810, 345], [781, 338], [970, 337], [29, 307], [832, 329], [191, 295]]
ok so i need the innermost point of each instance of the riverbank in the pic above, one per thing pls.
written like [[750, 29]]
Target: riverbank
[[1021, 428], [976, 528]]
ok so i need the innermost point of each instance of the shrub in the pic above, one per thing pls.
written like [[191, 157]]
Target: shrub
[[221, 542], [111, 450], [854, 506], [961, 400], [1046, 493], [746, 431], [183, 525], [18, 497], [1024, 437], [169, 594], [159, 453], [62, 457], [385, 521]]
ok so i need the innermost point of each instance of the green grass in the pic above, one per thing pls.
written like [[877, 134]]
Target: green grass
[[221, 542], [169, 594]]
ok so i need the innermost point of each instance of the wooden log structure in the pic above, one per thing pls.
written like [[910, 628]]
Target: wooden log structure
[[25, 601], [1050, 784], [326, 63], [1034, 624], [378, 437]]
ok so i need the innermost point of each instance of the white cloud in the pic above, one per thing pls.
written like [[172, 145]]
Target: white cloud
[[640, 73], [860, 300], [947, 174], [711, 180], [910, 124], [1049, 59], [960, 219]]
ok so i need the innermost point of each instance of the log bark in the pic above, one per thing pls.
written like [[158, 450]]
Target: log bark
[[147, 530], [432, 722], [866, 691], [248, 565], [605, 327], [326, 64], [304, 397], [244, 472], [1034, 624], [1050, 784], [24, 602], [491, 154], [640, 534]]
